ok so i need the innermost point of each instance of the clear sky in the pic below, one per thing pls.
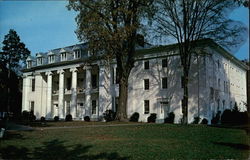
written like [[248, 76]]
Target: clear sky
[[46, 25]]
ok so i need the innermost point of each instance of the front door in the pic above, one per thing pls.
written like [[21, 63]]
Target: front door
[[163, 110]]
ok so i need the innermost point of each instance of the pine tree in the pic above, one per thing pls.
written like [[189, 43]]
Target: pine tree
[[12, 58]]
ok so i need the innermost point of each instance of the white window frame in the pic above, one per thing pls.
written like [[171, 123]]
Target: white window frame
[[64, 56], [51, 58], [29, 64], [77, 54], [39, 61]]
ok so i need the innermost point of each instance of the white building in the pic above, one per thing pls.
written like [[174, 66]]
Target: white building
[[72, 81]]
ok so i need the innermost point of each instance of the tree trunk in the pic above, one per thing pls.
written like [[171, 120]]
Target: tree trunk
[[121, 114], [185, 97]]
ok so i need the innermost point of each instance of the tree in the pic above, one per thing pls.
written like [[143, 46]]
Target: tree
[[12, 56], [188, 21], [113, 27]]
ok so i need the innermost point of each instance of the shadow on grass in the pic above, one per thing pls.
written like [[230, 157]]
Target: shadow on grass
[[234, 145], [56, 150], [12, 135]]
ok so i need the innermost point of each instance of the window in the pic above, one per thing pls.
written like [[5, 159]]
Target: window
[[219, 83], [68, 83], [146, 84], [51, 58], [146, 64], [94, 80], [211, 92], [33, 85], [32, 106], [218, 105], [218, 63], [182, 81], [29, 64], [63, 56], [39, 61], [223, 105], [93, 106], [113, 75], [164, 63], [224, 86], [77, 54], [115, 78], [146, 106], [164, 82]]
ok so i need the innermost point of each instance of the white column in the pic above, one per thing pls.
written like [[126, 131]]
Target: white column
[[49, 95], [25, 94], [61, 94], [73, 92], [88, 91]]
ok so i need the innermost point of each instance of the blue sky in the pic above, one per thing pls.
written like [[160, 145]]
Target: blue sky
[[46, 25]]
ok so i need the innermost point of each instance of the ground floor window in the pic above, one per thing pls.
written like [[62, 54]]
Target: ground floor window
[[146, 106], [67, 108], [93, 106], [32, 106], [79, 108]]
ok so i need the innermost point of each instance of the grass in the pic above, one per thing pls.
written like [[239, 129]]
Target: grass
[[149, 141]]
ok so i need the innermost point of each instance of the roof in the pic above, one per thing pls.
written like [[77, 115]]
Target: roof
[[147, 49]]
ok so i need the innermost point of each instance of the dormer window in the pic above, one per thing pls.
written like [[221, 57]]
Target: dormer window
[[51, 58], [63, 56], [39, 61], [77, 54], [29, 64]]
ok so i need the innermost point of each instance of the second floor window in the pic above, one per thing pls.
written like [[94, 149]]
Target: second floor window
[[33, 85], [164, 82], [146, 84], [63, 56], [94, 81], [146, 64], [164, 63]]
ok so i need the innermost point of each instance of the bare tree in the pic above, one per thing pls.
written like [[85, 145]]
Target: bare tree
[[187, 21], [112, 27]]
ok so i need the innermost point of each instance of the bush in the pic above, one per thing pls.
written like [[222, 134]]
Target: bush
[[42, 119], [56, 118], [216, 119], [204, 121], [243, 118], [86, 118], [68, 118], [234, 116], [28, 116], [25, 115], [152, 118], [196, 120], [170, 118], [227, 117], [135, 117], [109, 115], [32, 118]]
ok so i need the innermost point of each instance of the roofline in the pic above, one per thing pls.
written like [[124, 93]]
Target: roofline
[[139, 52]]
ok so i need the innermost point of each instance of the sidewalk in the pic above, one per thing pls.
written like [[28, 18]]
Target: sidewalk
[[87, 126], [10, 126]]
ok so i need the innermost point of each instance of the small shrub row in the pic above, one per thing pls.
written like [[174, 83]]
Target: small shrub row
[[28, 116], [152, 118], [109, 115], [170, 118]]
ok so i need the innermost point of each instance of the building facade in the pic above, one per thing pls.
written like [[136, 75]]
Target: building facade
[[71, 80]]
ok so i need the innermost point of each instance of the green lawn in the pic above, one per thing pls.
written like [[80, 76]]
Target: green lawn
[[149, 141]]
